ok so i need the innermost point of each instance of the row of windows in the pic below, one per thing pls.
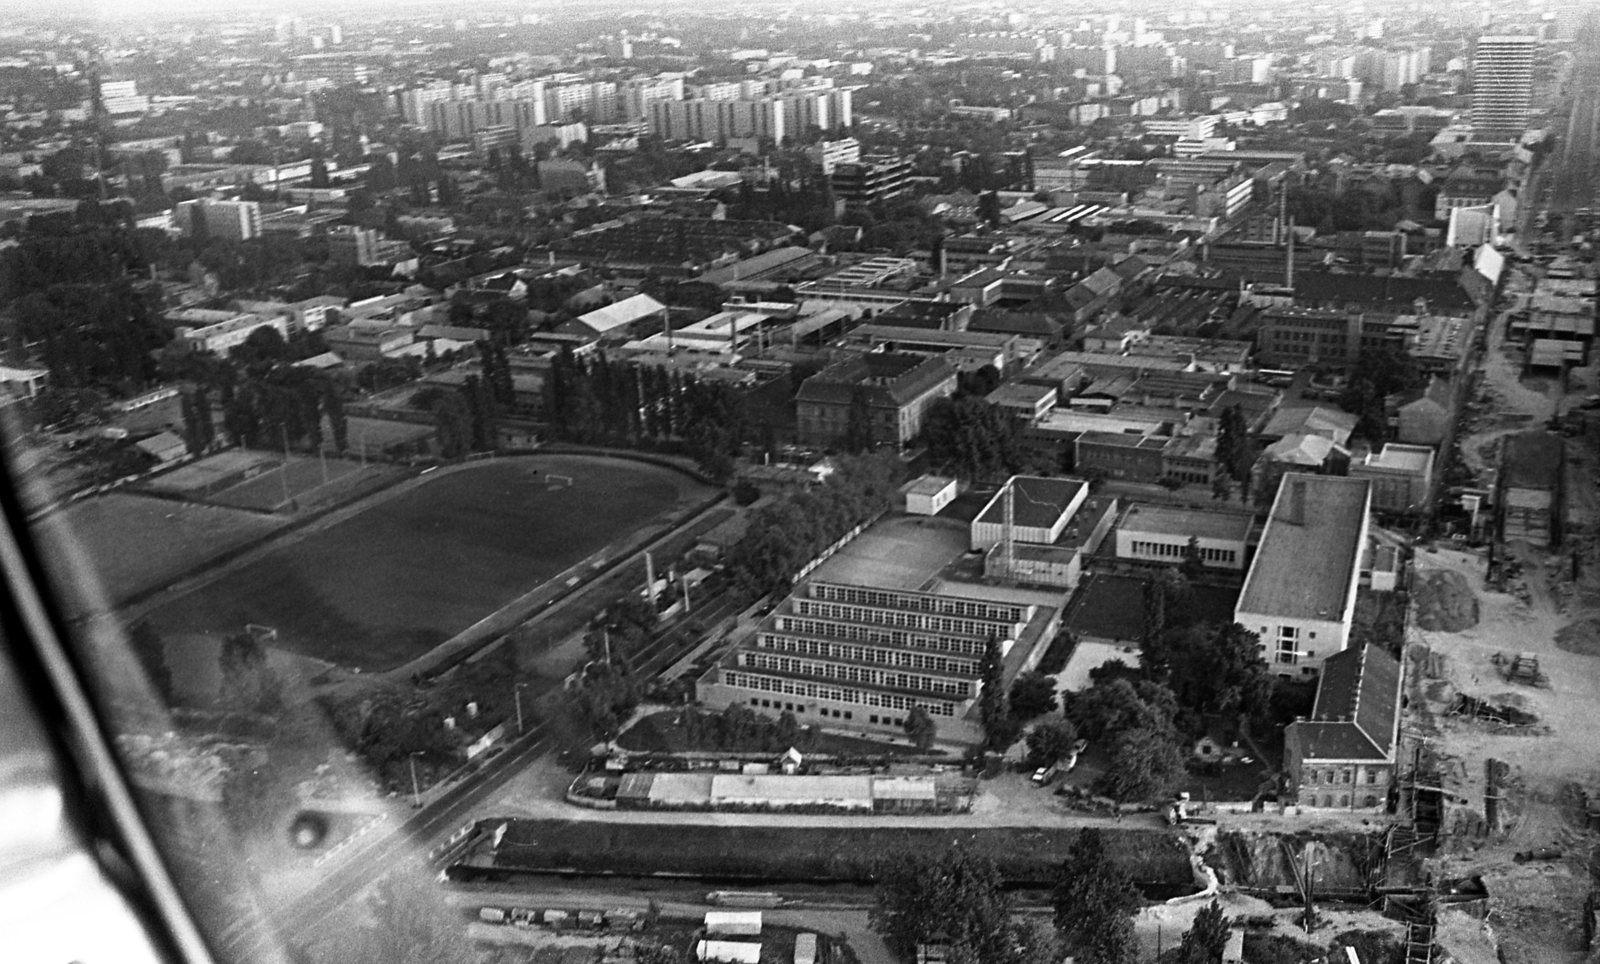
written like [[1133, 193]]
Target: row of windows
[[982, 629], [1345, 775], [921, 601], [799, 709], [858, 674], [856, 632], [818, 691], [1173, 550], [1370, 800], [868, 654]]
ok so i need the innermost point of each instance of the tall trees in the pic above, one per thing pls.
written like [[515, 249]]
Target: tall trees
[[785, 534], [1033, 694], [1093, 900], [1147, 763], [970, 438], [1219, 671], [1051, 742], [1233, 443], [1137, 719], [954, 898], [1000, 726], [600, 400], [920, 728], [1207, 939], [1378, 373]]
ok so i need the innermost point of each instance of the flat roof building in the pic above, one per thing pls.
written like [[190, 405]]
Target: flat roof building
[[1502, 86], [1161, 533], [1300, 593], [1401, 476], [1040, 510], [865, 656]]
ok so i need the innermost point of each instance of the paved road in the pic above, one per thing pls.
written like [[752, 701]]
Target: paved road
[[410, 846]]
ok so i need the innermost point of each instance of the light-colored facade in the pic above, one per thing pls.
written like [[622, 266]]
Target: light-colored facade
[[719, 120], [929, 495], [1300, 593], [864, 657], [221, 336], [1502, 86], [1040, 511], [1156, 533], [233, 220], [1343, 756], [1401, 476]]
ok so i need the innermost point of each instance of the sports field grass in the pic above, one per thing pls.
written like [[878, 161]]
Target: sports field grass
[[133, 542], [386, 585]]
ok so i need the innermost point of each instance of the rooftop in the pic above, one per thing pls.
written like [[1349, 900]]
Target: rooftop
[[1358, 698], [1308, 553], [1312, 420], [1404, 458], [1039, 502], [1532, 460], [1170, 520], [1020, 394], [927, 485], [625, 312]]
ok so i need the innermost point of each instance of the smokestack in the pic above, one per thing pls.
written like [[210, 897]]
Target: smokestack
[[650, 577], [1288, 265]]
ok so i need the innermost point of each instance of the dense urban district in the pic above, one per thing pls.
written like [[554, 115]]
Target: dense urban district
[[989, 485]]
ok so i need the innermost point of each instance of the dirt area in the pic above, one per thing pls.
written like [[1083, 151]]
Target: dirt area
[[1445, 602], [1581, 637], [1535, 906], [1506, 403]]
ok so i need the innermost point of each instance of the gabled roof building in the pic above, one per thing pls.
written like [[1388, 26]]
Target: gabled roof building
[[894, 389], [1343, 756]]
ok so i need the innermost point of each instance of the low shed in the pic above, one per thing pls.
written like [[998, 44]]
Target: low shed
[[729, 952], [733, 923]]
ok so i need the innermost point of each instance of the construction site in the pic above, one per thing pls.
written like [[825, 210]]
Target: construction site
[[1499, 807]]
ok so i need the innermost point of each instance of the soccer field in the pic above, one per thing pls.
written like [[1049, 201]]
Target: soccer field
[[301, 482], [134, 542], [386, 585]]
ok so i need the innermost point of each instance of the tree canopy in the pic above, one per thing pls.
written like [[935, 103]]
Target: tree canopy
[[1093, 900], [953, 898]]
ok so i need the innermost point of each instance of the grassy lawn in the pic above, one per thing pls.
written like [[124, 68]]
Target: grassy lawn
[[388, 584], [119, 544]]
